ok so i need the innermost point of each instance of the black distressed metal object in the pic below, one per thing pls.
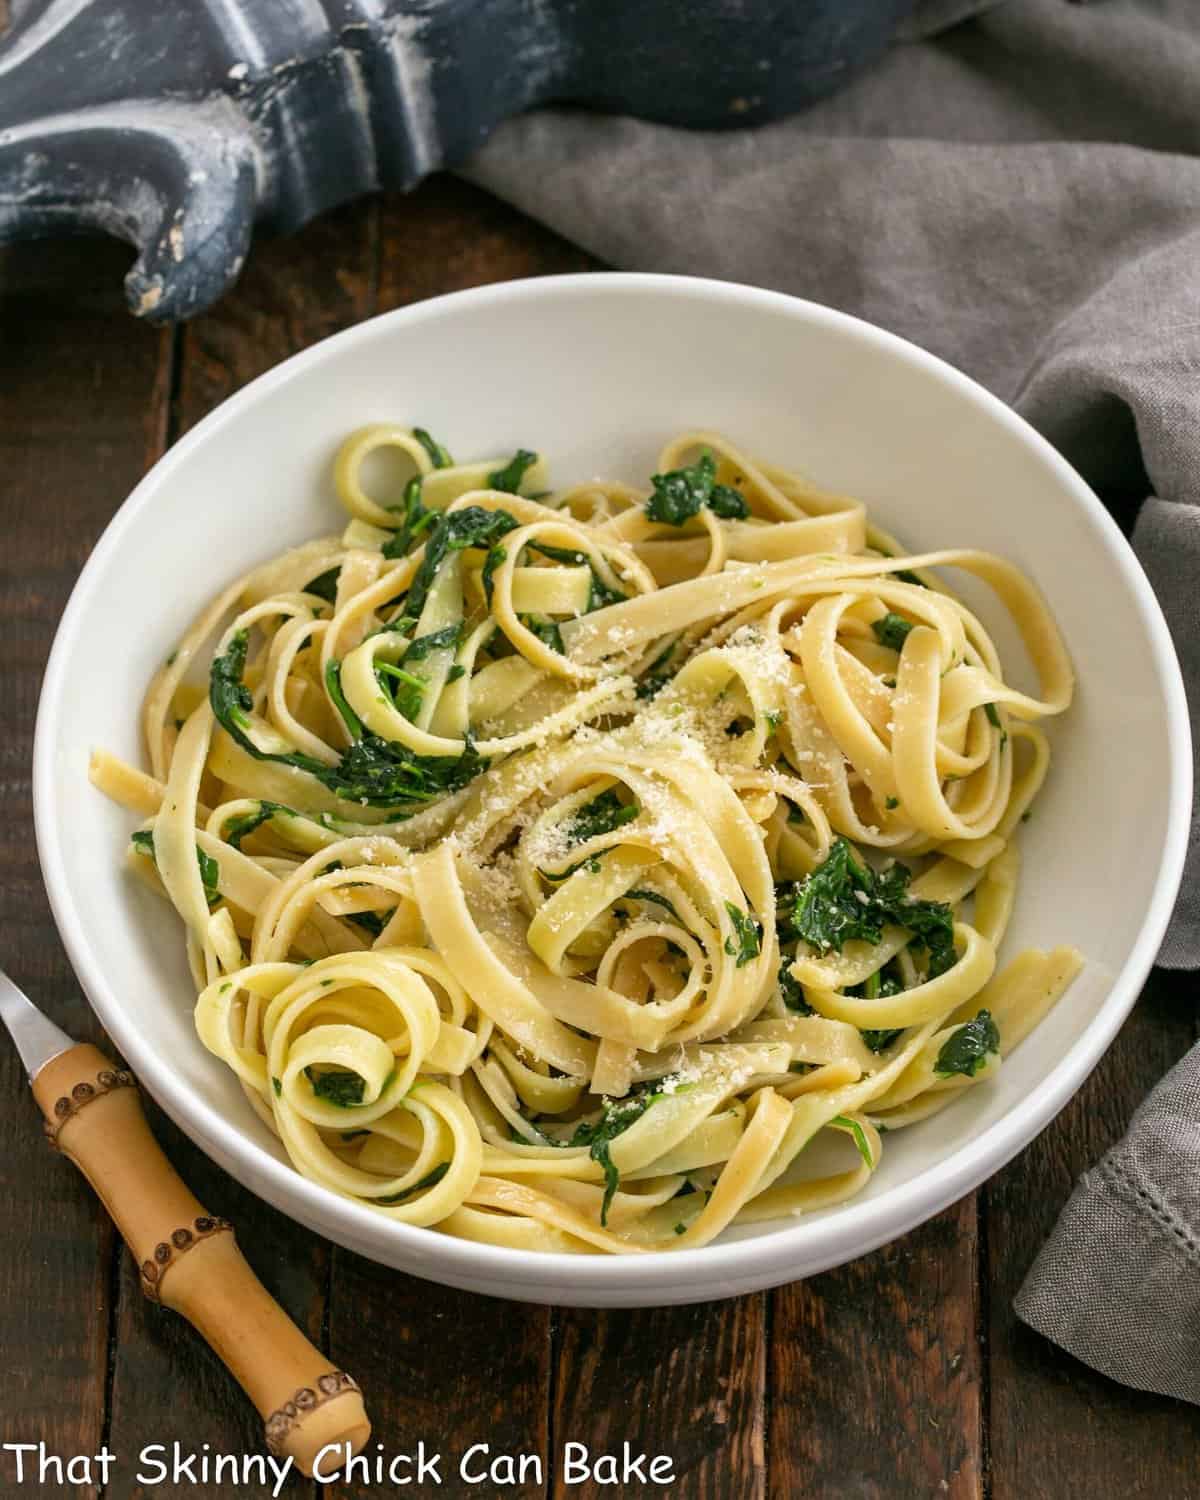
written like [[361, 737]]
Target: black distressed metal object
[[180, 125]]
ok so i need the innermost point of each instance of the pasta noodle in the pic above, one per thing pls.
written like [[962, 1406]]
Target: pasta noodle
[[557, 868]]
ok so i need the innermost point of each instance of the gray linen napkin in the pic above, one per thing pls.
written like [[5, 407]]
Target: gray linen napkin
[[1016, 187]]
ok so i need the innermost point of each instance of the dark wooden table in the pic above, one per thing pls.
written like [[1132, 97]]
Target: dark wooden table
[[903, 1375]]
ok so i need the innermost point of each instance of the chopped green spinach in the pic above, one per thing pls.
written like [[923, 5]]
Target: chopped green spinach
[[373, 771], [844, 899], [891, 630], [643, 893], [210, 870], [615, 1117], [656, 675], [438, 456], [681, 494], [745, 944], [333, 683], [343, 1089], [547, 631], [446, 639], [603, 814], [416, 517], [967, 1050], [236, 829], [324, 585], [454, 531], [859, 1135], [510, 476], [370, 921], [792, 990], [431, 1179], [496, 555], [883, 982]]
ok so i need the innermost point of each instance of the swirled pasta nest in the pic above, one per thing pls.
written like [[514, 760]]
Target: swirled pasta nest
[[590, 870]]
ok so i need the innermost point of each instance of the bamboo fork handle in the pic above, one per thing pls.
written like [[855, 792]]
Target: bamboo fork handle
[[189, 1261]]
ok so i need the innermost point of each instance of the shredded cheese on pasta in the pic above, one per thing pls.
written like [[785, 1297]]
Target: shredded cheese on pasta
[[556, 868]]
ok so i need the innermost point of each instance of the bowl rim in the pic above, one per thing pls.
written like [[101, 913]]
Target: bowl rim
[[759, 1261]]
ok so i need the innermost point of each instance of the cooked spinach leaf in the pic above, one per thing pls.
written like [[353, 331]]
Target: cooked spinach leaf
[[229, 696], [446, 639], [407, 688], [904, 575], [726, 503], [844, 899], [342, 1089], [616, 1117], [883, 982], [454, 531], [891, 630], [510, 476], [859, 1136], [379, 772], [970, 1046], [569, 555], [745, 944], [333, 682], [210, 870], [602, 814], [601, 594], [792, 990], [496, 555], [644, 894], [370, 921], [236, 829], [373, 771], [547, 631], [438, 455], [415, 518], [657, 674], [683, 493], [324, 585], [431, 1179]]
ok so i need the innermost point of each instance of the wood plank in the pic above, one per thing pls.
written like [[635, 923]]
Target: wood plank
[[293, 292], [1059, 1430], [876, 1372], [674, 1380], [166, 1383], [82, 409], [168, 1386], [445, 1368], [686, 1382], [422, 1378], [450, 235]]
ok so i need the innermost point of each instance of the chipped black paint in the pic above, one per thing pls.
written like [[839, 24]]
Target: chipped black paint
[[181, 127]]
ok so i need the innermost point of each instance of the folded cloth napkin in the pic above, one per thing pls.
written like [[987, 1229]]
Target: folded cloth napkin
[[1015, 186]]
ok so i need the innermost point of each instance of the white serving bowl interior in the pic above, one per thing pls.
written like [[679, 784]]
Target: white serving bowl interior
[[596, 371]]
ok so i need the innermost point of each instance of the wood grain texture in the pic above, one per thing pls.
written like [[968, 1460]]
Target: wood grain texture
[[293, 293], [689, 1382], [875, 1381], [876, 1372], [167, 1383], [443, 1367], [451, 235], [82, 405], [414, 1365], [1059, 1430]]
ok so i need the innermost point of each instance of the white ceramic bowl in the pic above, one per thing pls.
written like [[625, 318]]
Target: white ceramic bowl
[[596, 371]]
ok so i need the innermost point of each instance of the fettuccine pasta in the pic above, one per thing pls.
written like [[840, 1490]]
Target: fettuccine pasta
[[558, 868]]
